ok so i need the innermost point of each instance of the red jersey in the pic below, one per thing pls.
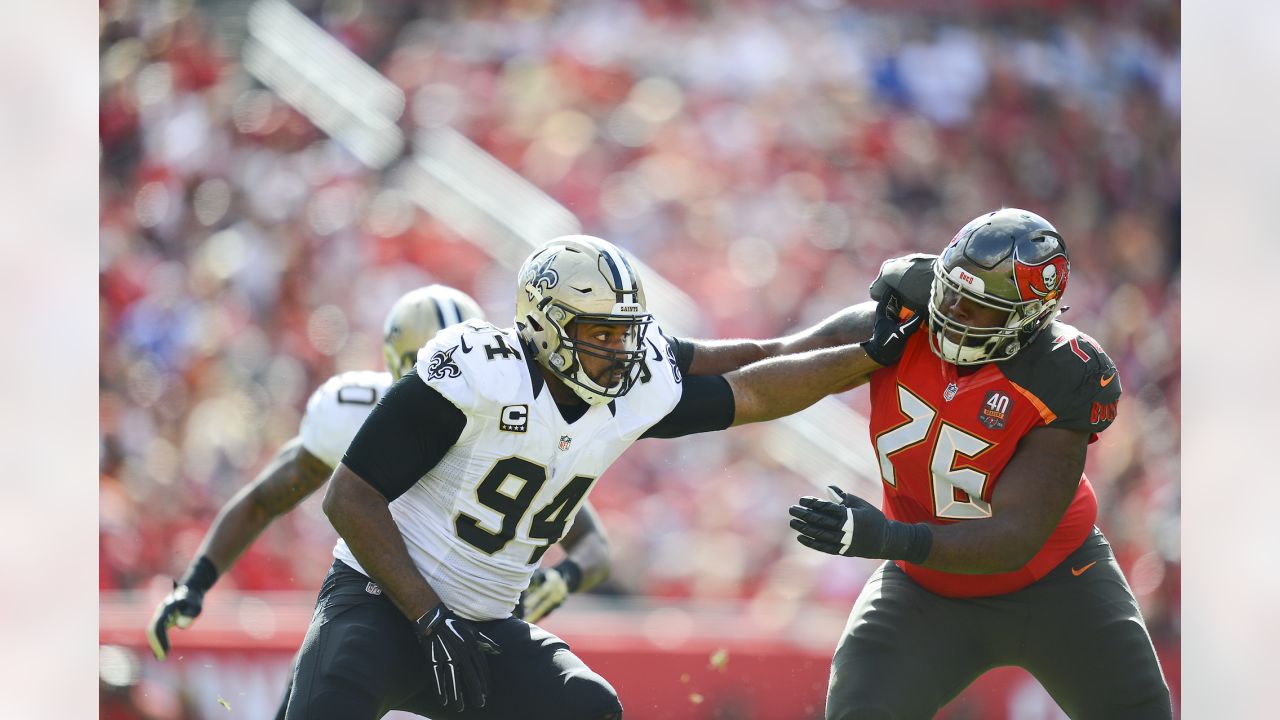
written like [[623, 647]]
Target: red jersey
[[942, 439]]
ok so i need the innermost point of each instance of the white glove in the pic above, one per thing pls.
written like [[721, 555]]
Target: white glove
[[548, 588]]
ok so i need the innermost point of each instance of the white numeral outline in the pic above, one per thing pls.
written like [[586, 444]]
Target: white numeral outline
[[905, 435], [950, 443]]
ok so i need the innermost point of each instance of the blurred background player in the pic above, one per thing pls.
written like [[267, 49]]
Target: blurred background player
[[982, 429], [334, 413]]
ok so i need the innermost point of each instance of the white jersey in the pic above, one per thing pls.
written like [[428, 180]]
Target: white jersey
[[337, 409], [478, 523]]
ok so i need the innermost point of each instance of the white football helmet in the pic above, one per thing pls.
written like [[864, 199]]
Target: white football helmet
[[416, 318], [1009, 260], [584, 279]]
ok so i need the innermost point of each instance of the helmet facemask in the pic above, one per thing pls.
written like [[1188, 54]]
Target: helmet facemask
[[622, 362], [962, 344], [1010, 261], [570, 285]]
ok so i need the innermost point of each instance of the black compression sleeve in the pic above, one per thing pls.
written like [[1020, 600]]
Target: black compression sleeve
[[408, 432], [706, 404], [682, 352]]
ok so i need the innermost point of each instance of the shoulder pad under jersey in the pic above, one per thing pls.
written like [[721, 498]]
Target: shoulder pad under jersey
[[657, 391], [337, 409], [1071, 375], [474, 364], [910, 275]]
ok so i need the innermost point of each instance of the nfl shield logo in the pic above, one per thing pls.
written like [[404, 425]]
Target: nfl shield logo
[[564, 442], [950, 392]]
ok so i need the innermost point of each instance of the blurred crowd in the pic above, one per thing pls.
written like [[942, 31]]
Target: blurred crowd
[[765, 157]]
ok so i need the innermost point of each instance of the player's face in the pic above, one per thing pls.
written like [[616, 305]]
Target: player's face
[[608, 338], [969, 312]]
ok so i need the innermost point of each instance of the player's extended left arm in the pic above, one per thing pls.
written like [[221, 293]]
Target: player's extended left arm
[[717, 357], [1035, 488], [586, 564], [784, 385]]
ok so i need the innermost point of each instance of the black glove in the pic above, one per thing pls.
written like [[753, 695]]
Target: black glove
[[454, 648], [852, 526], [547, 590], [890, 332], [181, 606]]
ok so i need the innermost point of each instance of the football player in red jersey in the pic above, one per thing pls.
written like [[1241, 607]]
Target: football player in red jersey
[[981, 430]]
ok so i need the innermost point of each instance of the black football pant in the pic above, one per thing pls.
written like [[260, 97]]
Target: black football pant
[[906, 652], [361, 659]]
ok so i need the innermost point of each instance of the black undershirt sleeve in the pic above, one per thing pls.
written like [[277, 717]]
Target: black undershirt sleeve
[[706, 404], [683, 353], [408, 432]]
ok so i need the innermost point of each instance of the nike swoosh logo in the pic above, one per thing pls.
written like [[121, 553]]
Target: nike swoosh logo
[[1080, 571], [584, 292], [1107, 380], [465, 348]]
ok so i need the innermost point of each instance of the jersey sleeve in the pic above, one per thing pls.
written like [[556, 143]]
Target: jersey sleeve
[[1072, 377], [473, 365], [336, 410], [706, 405], [911, 276], [656, 393], [405, 436]]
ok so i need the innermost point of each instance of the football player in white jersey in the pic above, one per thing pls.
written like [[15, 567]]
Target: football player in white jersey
[[478, 460], [334, 413]]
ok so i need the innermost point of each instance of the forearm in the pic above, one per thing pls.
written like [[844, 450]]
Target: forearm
[[238, 524], [288, 478], [1036, 488], [362, 517], [979, 547], [785, 385], [718, 357]]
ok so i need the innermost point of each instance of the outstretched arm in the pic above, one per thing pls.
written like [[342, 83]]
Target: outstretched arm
[[717, 357], [291, 475], [785, 385], [788, 384]]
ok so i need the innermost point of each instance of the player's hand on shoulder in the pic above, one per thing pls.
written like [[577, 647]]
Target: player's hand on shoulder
[[894, 325], [179, 608], [455, 651]]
